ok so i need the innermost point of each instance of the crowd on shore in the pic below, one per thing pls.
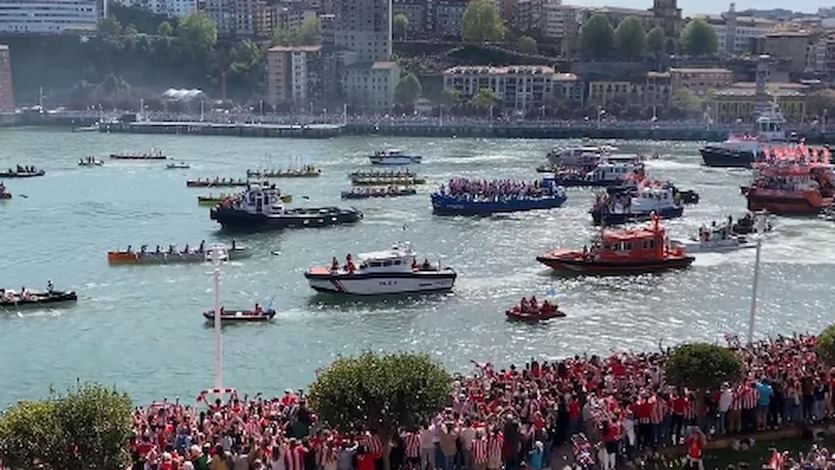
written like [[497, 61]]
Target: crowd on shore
[[480, 190], [608, 409]]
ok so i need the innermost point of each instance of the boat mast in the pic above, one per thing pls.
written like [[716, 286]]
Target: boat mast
[[217, 254]]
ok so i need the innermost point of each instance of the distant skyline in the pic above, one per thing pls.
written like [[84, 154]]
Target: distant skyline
[[691, 7]]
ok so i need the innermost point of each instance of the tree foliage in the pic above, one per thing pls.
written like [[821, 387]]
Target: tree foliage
[[88, 428], [526, 44], [630, 38], [597, 37], [380, 392], [826, 345], [484, 99], [657, 41], [686, 101], [702, 366], [699, 39], [408, 90], [400, 24], [310, 32], [165, 29], [198, 32], [450, 97], [819, 100], [144, 20], [110, 25], [481, 22]]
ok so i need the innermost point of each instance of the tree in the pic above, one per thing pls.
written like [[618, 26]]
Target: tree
[[381, 393], [130, 30], [198, 32], [110, 25], [820, 100], [408, 90], [481, 22], [400, 23], [686, 102], [597, 37], [630, 38], [826, 345], [165, 29], [699, 39], [484, 99], [89, 427], [526, 44], [310, 32], [657, 41], [702, 367]]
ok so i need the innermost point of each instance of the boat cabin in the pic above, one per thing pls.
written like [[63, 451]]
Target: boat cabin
[[653, 198], [400, 258], [260, 200], [634, 244], [613, 172], [392, 152], [769, 124]]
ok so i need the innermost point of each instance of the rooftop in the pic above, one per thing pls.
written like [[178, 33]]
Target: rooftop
[[698, 70], [310, 48], [624, 11], [383, 65]]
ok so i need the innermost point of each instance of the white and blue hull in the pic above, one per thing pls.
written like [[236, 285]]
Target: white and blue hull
[[383, 284], [395, 160]]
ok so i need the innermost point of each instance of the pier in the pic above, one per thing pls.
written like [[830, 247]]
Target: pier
[[309, 131]]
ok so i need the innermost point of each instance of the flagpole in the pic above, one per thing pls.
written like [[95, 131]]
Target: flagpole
[[217, 255]]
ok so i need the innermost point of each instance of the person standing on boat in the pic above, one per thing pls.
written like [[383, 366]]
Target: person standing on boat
[[49, 286]]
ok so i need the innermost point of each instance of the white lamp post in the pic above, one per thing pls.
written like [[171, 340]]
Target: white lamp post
[[759, 227], [217, 254]]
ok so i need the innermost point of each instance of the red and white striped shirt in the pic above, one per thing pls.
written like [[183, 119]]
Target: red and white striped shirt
[[690, 410], [294, 458], [736, 401], [411, 444], [480, 451], [374, 445], [660, 410], [494, 448], [750, 396]]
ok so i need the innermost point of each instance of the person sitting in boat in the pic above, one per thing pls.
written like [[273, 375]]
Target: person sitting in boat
[[157, 249], [523, 305], [334, 265], [349, 264], [257, 308], [130, 249], [221, 309], [547, 307], [534, 305], [170, 249], [143, 248], [49, 286], [202, 246], [425, 266]]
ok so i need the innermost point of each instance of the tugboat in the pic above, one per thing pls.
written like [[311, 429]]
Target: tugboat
[[35, 299], [394, 271], [791, 187], [393, 157], [619, 252], [90, 161], [258, 314], [261, 208], [378, 192], [532, 311], [603, 175], [172, 254], [475, 197], [177, 166], [154, 154], [307, 171], [650, 198], [4, 193], [22, 172]]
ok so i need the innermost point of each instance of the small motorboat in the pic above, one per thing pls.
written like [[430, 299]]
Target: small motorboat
[[240, 316], [533, 312], [35, 299], [177, 166], [22, 172], [90, 161], [393, 157]]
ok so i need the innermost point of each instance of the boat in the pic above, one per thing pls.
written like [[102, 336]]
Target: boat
[[651, 197], [742, 151], [387, 181], [177, 166], [579, 156], [91, 128], [240, 316], [378, 192], [393, 271], [791, 187], [154, 154], [22, 172], [717, 239], [618, 252], [35, 299], [219, 183], [260, 207], [90, 161], [382, 174], [684, 196], [307, 171], [478, 199], [603, 175], [161, 255], [533, 311], [747, 225], [393, 157], [4, 193], [212, 200]]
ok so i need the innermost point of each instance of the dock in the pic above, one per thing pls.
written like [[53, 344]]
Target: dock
[[307, 131]]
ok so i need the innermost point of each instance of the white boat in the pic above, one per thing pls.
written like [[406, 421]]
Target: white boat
[[717, 239], [394, 271], [178, 166], [393, 157], [580, 156]]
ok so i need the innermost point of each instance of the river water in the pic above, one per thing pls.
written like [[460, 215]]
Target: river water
[[139, 327]]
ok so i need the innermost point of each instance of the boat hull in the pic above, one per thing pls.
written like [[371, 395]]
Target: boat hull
[[584, 183], [402, 160], [231, 218], [240, 316], [787, 205], [721, 158], [137, 157], [152, 257], [609, 268], [611, 218], [445, 205], [15, 174], [383, 283], [727, 246], [533, 317], [42, 300]]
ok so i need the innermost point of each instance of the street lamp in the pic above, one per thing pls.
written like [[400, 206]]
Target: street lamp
[[759, 230]]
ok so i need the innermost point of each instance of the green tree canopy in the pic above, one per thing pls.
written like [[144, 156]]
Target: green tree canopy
[[310, 32], [686, 101], [450, 97], [380, 392], [657, 41], [198, 32], [826, 345], [526, 44], [484, 99], [87, 428], [699, 39], [408, 90], [110, 25], [597, 37], [630, 38], [400, 23], [702, 366], [481, 22], [165, 29]]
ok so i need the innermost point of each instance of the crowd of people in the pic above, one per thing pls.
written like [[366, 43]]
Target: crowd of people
[[607, 409], [484, 190]]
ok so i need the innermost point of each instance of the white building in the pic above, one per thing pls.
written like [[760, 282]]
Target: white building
[[739, 34], [520, 87], [50, 16]]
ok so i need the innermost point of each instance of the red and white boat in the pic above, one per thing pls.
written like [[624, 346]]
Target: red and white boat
[[533, 311], [619, 252], [791, 187]]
